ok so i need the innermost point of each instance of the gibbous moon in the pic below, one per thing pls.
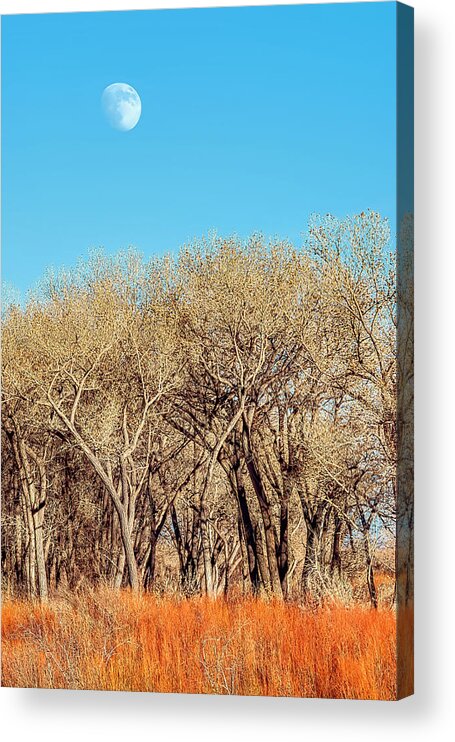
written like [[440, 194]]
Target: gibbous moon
[[121, 105]]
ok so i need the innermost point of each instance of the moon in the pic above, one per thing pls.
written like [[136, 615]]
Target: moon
[[121, 105]]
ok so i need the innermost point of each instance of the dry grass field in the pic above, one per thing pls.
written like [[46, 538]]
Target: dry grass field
[[236, 646]]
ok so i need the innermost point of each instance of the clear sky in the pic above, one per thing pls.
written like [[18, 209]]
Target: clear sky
[[252, 119]]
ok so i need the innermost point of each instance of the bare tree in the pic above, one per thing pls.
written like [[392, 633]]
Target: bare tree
[[223, 420]]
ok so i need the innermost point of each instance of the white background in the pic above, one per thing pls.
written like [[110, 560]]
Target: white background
[[51, 715]]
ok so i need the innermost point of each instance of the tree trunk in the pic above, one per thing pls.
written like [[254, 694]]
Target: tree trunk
[[310, 564], [372, 592], [119, 568], [149, 576], [205, 536], [283, 547], [40, 558], [127, 541], [38, 523], [312, 567], [206, 553], [233, 469], [335, 561], [34, 500], [122, 509], [271, 544]]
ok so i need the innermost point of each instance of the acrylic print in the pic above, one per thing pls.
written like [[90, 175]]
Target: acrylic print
[[207, 351]]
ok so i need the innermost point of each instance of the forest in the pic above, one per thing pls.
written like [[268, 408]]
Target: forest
[[222, 423], [224, 419]]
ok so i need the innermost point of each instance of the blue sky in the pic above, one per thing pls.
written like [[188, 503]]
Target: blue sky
[[252, 119]]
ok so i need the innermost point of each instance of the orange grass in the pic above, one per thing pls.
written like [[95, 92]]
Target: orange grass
[[111, 641]]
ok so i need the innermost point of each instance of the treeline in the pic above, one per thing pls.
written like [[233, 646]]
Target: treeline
[[224, 420]]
